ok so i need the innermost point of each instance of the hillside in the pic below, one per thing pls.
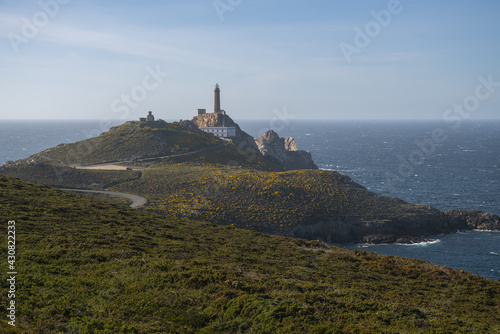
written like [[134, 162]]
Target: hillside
[[309, 204], [129, 141], [85, 266]]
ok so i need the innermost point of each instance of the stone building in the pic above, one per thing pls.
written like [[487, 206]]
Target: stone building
[[149, 118]]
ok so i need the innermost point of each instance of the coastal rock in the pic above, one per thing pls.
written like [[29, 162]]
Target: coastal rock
[[284, 151], [211, 119], [474, 220]]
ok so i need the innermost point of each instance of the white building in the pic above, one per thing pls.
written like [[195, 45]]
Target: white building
[[220, 131]]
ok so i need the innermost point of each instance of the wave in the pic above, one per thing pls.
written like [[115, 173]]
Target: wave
[[494, 231], [343, 170], [371, 245], [423, 243]]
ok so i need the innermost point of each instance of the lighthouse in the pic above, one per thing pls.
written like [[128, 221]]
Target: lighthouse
[[217, 99]]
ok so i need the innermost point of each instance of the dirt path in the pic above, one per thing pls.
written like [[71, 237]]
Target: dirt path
[[112, 166], [137, 201]]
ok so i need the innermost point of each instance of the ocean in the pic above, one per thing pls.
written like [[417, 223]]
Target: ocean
[[426, 162]]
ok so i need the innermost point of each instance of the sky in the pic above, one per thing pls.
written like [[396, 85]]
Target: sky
[[321, 59]]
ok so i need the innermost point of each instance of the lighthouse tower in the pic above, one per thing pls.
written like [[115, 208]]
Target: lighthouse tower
[[218, 128], [217, 100]]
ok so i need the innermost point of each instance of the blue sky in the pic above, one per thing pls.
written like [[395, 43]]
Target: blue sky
[[73, 59]]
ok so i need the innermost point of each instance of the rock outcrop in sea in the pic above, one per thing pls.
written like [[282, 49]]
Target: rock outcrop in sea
[[284, 151]]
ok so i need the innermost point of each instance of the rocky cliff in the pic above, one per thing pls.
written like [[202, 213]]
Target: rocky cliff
[[284, 151]]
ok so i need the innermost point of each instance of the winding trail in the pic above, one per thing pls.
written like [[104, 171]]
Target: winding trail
[[137, 201]]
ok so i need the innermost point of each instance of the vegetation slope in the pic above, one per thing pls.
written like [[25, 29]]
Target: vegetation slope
[[86, 266], [307, 203]]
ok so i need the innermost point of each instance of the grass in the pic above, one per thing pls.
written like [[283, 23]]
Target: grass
[[87, 266], [67, 177], [119, 200]]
